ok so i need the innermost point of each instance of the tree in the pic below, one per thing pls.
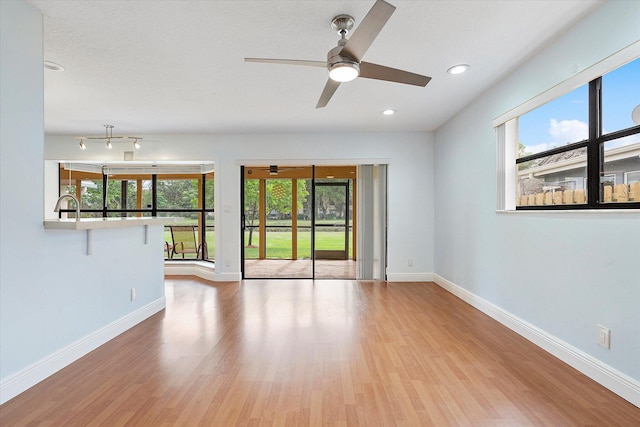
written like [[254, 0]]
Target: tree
[[251, 200], [329, 196], [177, 194], [208, 193], [278, 199], [92, 196], [522, 152]]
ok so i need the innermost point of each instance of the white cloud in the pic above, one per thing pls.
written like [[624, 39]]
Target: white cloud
[[567, 131], [561, 133]]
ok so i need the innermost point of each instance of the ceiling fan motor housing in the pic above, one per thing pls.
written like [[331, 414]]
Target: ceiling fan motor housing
[[342, 24], [334, 57]]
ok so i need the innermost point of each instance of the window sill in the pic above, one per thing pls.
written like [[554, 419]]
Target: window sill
[[575, 211]]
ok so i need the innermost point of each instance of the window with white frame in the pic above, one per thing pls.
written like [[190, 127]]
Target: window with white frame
[[579, 150]]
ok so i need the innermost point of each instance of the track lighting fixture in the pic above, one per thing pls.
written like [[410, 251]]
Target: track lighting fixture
[[108, 136]]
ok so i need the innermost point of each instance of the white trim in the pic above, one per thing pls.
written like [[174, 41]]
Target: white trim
[[616, 381], [562, 212], [228, 277], [202, 269], [309, 162], [409, 277], [20, 381], [500, 167], [598, 69]]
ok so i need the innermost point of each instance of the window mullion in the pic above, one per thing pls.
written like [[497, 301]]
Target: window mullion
[[154, 195], [105, 184], [595, 154]]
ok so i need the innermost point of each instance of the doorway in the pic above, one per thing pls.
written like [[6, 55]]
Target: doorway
[[332, 230], [298, 222]]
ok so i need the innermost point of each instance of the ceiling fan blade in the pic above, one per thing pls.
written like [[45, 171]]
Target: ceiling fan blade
[[368, 30], [322, 64], [380, 72], [329, 89]]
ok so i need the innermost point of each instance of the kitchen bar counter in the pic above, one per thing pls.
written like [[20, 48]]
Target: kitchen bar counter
[[92, 223], [89, 224]]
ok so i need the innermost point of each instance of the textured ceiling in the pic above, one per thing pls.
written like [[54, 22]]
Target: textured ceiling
[[177, 66]]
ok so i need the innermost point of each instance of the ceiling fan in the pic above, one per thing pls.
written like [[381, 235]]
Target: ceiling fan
[[344, 62]]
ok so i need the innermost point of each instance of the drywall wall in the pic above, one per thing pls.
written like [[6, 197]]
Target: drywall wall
[[56, 303], [410, 197], [562, 272]]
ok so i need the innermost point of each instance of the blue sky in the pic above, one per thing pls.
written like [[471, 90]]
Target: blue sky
[[564, 119]]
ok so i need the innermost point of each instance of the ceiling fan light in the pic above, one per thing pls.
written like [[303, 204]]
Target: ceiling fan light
[[344, 71]]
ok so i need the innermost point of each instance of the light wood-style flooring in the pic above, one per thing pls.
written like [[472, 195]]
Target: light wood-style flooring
[[317, 353]]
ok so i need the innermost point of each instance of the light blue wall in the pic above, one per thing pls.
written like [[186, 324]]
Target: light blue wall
[[562, 272], [51, 293], [408, 154]]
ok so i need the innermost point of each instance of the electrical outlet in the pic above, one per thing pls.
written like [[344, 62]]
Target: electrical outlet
[[133, 294], [604, 337]]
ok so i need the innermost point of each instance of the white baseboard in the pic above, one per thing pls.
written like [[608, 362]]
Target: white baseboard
[[409, 277], [616, 381], [227, 277], [202, 269], [20, 381]]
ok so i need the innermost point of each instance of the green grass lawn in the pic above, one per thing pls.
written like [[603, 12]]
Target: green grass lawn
[[279, 243]]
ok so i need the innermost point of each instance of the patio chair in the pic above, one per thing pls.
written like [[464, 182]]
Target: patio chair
[[185, 242]]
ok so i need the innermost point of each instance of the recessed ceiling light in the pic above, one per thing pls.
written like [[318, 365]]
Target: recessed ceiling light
[[458, 69], [49, 65], [388, 112]]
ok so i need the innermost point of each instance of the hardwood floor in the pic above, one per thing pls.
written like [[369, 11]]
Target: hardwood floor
[[298, 353]]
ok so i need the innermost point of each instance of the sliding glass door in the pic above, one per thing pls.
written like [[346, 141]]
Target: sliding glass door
[[276, 228], [296, 227], [332, 230]]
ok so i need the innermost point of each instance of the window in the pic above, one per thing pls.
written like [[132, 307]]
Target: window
[[582, 149], [187, 196]]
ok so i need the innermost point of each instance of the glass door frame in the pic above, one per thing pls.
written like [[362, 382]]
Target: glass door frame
[[344, 178], [314, 219]]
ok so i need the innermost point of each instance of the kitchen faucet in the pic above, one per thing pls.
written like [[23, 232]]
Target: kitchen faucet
[[68, 196]]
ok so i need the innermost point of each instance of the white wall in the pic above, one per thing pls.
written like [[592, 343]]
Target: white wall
[[562, 272], [56, 303], [409, 155]]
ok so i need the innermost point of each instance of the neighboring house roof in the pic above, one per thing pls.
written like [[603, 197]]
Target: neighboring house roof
[[575, 159]]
